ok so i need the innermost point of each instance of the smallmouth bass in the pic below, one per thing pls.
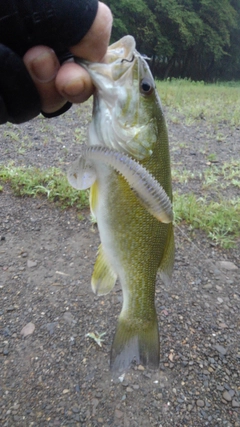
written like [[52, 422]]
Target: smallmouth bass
[[127, 165]]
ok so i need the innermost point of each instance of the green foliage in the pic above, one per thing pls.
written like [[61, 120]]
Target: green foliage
[[198, 39], [51, 183]]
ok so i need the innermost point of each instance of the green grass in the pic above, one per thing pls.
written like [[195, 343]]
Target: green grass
[[215, 177], [189, 103], [228, 172], [51, 183], [214, 109], [220, 220], [199, 101]]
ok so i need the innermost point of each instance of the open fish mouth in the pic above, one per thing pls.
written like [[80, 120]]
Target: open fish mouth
[[118, 63]]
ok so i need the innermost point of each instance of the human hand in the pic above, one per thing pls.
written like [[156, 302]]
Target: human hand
[[54, 84]]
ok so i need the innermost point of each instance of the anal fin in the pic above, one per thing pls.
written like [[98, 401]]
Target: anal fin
[[103, 277]]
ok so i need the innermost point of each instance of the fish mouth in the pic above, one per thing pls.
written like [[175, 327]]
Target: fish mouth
[[118, 63]]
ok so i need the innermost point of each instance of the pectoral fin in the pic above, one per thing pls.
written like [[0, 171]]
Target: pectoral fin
[[167, 262], [103, 278], [81, 174]]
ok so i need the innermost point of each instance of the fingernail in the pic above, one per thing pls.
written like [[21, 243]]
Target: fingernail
[[45, 67]]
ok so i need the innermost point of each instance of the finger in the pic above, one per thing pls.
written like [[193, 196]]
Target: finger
[[74, 83], [43, 66], [94, 44]]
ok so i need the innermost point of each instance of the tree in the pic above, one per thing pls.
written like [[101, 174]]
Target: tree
[[185, 38]]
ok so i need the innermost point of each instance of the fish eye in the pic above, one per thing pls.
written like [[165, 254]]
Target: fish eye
[[146, 86]]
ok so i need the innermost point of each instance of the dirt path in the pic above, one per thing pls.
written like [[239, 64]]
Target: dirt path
[[56, 376]]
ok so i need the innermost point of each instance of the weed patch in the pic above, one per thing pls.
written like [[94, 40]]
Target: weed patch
[[220, 220], [51, 183]]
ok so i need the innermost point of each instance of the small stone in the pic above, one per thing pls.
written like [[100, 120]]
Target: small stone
[[200, 403], [95, 402], [227, 396], [69, 317], [141, 368], [75, 409], [129, 389], [222, 325], [207, 286], [118, 414], [28, 329], [221, 349], [6, 332], [11, 308], [235, 404], [125, 383], [227, 265], [5, 351], [98, 395], [50, 327], [65, 391], [31, 264]]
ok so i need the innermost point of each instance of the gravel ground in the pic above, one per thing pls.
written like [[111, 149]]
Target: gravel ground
[[51, 373]]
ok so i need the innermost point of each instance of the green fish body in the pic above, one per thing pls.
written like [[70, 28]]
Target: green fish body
[[135, 245]]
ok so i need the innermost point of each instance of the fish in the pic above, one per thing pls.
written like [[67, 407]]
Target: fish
[[126, 164]]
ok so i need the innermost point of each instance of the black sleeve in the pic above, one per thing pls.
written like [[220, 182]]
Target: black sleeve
[[58, 24], [55, 23]]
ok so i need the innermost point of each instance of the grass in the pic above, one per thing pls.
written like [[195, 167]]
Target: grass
[[220, 220], [51, 183], [215, 177], [217, 212], [229, 172], [200, 101], [215, 110]]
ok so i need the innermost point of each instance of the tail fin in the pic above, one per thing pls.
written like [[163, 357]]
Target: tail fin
[[135, 342]]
